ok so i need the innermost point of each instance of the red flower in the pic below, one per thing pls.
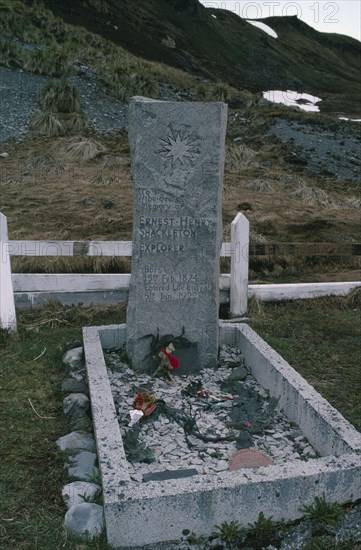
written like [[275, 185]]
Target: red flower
[[172, 360]]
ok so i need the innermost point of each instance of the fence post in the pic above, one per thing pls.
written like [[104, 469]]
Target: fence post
[[7, 303], [239, 265]]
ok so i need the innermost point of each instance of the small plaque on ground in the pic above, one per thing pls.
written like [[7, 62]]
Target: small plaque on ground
[[248, 458], [169, 474]]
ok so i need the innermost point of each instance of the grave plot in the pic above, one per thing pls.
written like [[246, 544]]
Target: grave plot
[[162, 509], [202, 423]]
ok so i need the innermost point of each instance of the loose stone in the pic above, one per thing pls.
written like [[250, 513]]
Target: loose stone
[[77, 491], [70, 385], [76, 441], [75, 405], [85, 520], [73, 358], [83, 424], [82, 466]]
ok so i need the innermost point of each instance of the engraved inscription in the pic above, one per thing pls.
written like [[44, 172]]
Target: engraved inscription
[[156, 200], [152, 248], [183, 227], [160, 286]]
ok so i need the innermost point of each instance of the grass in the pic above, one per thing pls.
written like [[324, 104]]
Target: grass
[[59, 96], [47, 124], [321, 339], [53, 60], [32, 511], [323, 513], [62, 46], [124, 77], [216, 52], [60, 114], [43, 185], [80, 149], [11, 54]]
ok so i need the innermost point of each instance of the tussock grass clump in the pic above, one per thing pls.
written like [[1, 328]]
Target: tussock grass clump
[[60, 96], [291, 180], [352, 202], [102, 179], [75, 123], [221, 91], [52, 60], [47, 124], [314, 196], [113, 163], [132, 83], [60, 115], [11, 54], [125, 76], [80, 149], [58, 124], [259, 185], [239, 157], [45, 163]]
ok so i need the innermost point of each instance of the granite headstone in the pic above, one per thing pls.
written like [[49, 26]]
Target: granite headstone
[[177, 171]]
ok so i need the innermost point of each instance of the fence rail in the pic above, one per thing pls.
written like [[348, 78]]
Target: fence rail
[[124, 248], [305, 249]]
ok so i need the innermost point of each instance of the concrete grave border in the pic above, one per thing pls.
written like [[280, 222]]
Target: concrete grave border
[[140, 514]]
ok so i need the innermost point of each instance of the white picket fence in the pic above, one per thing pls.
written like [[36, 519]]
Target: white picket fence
[[27, 289], [7, 304]]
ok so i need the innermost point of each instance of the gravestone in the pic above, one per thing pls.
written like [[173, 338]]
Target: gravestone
[[177, 170]]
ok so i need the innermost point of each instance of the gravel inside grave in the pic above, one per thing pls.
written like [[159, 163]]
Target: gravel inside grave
[[282, 441]]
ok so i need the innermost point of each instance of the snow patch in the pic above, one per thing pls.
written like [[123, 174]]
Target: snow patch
[[263, 27], [292, 98], [214, 16], [351, 119]]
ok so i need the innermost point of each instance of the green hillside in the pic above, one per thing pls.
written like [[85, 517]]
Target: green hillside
[[218, 44]]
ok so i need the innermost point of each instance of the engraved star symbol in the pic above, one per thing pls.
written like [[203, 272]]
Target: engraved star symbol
[[179, 148]]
